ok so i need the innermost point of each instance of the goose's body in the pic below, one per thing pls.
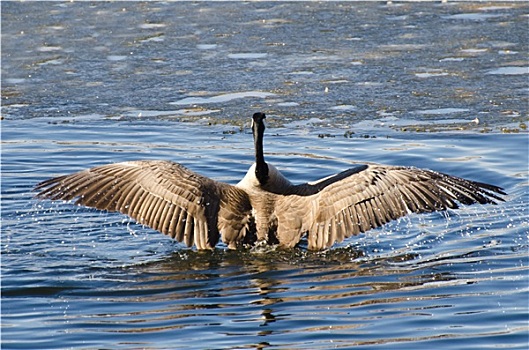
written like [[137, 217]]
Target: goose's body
[[264, 205]]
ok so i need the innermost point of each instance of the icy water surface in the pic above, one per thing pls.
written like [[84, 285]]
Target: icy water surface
[[426, 66], [85, 84]]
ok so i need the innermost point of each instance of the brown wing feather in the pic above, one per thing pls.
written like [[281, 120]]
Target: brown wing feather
[[367, 197], [163, 195]]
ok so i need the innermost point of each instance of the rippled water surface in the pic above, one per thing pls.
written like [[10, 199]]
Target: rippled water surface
[[93, 83]]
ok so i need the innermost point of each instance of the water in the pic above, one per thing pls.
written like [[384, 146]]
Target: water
[[80, 90]]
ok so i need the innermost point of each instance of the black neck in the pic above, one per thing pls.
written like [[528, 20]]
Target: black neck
[[258, 128]]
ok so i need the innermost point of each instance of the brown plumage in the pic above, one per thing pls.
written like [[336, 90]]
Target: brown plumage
[[264, 205]]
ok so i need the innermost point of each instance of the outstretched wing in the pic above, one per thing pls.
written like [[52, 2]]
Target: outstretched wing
[[163, 195], [369, 196]]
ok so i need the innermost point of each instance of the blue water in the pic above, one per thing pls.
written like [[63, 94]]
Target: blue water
[[432, 85], [74, 277]]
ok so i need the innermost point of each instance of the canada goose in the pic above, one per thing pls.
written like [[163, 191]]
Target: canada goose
[[264, 205]]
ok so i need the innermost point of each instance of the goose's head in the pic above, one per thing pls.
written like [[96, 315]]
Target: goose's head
[[258, 121], [262, 175]]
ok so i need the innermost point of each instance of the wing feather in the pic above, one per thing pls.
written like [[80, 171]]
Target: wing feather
[[163, 195], [180, 226], [173, 221], [370, 196], [166, 217]]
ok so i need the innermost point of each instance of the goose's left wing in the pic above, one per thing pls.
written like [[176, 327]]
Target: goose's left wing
[[367, 197]]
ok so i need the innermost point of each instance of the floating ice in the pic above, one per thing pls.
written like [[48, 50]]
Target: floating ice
[[473, 16], [47, 48], [509, 71], [206, 46], [441, 111], [116, 58], [431, 74], [247, 55], [152, 25], [343, 108], [222, 98], [301, 72], [452, 59], [474, 50], [177, 112], [288, 104]]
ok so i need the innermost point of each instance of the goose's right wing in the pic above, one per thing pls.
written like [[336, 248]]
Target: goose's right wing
[[163, 195], [367, 197]]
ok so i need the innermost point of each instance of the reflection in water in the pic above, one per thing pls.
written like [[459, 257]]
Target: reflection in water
[[189, 289]]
